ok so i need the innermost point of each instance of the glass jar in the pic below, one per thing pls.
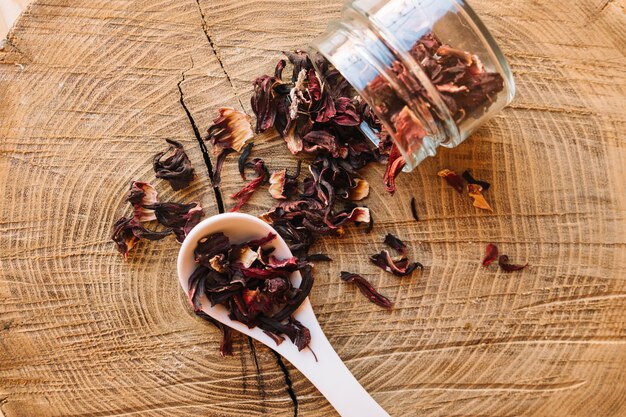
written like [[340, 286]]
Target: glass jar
[[429, 69]]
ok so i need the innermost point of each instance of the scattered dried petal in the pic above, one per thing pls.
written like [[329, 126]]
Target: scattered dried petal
[[453, 179], [475, 191], [367, 289], [142, 193], [217, 173], [400, 267], [243, 158], [231, 129], [396, 244], [394, 167], [181, 218], [491, 254], [242, 196], [128, 231], [503, 261], [467, 176], [176, 168]]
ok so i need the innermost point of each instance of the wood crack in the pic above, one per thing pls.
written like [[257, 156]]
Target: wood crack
[[290, 390], [203, 148], [205, 29], [220, 203]]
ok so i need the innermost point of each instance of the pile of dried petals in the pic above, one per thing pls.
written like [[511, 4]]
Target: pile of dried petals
[[178, 218], [253, 285]]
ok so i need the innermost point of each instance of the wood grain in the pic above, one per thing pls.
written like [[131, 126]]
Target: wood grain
[[101, 83]]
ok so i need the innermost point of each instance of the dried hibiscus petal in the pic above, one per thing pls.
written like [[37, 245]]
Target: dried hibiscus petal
[[367, 289], [231, 129], [267, 97], [217, 173], [140, 194], [226, 345], [176, 168], [453, 179], [467, 176], [491, 254], [243, 158], [181, 218], [395, 243], [242, 196], [283, 185], [128, 231], [394, 166], [475, 191], [503, 261], [400, 267]]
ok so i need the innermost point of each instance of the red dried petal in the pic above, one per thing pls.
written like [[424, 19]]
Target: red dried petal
[[367, 289], [394, 167], [242, 196], [491, 254], [453, 179], [503, 261]]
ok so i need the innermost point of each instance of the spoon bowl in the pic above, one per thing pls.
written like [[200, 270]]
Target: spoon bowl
[[328, 372]]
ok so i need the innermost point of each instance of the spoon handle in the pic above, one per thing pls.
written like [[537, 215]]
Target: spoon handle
[[334, 380]]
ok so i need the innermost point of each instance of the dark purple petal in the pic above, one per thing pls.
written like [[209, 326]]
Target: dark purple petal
[[367, 289], [176, 168], [503, 261]]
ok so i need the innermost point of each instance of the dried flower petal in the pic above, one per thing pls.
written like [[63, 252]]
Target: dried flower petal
[[247, 256], [318, 140], [503, 261], [180, 217], [176, 168], [217, 173], [475, 191], [142, 193], [360, 190], [210, 246], [410, 131], [294, 143], [395, 243], [277, 184], [453, 179], [394, 166], [367, 289], [243, 158], [491, 254], [467, 176], [128, 231], [400, 267], [226, 345], [231, 129], [346, 113], [242, 196], [267, 97]]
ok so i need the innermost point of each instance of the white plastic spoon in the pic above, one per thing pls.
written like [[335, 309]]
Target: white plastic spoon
[[329, 374]]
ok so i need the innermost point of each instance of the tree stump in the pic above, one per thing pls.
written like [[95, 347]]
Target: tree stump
[[89, 90]]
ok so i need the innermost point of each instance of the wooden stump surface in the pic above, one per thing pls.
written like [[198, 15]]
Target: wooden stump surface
[[90, 88]]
